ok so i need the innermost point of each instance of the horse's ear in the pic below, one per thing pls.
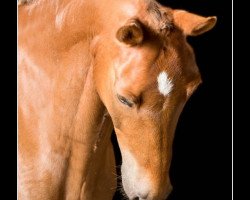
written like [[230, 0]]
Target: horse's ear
[[193, 24], [131, 33]]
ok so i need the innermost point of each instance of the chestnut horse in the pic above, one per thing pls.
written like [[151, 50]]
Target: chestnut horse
[[87, 67]]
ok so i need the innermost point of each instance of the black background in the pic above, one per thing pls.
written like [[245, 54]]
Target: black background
[[201, 168]]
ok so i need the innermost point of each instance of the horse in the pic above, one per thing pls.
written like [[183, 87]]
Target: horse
[[88, 67]]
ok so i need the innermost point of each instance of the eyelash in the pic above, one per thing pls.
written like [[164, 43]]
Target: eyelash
[[124, 101]]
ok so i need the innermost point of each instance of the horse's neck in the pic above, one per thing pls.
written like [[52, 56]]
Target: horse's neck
[[57, 62], [57, 92]]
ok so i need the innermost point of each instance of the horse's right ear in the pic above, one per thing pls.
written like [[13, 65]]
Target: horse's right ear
[[131, 33], [192, 24]]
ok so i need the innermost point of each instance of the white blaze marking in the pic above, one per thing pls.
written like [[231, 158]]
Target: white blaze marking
[[165, 85]]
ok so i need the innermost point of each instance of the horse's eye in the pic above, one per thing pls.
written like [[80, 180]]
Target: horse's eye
[[124, 100]]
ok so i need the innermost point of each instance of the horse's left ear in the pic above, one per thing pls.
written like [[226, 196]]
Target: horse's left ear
[[192, 24], [131, 33]]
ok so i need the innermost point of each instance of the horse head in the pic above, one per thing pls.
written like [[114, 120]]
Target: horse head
[[145, 71]]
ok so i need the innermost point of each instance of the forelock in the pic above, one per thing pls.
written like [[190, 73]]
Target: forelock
[[161, 18]]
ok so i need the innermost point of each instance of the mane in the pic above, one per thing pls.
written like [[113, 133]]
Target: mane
[[22, 2], [159, 19]]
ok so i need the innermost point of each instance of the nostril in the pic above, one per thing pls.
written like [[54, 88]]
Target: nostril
[[143, 195], [136, 198]]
